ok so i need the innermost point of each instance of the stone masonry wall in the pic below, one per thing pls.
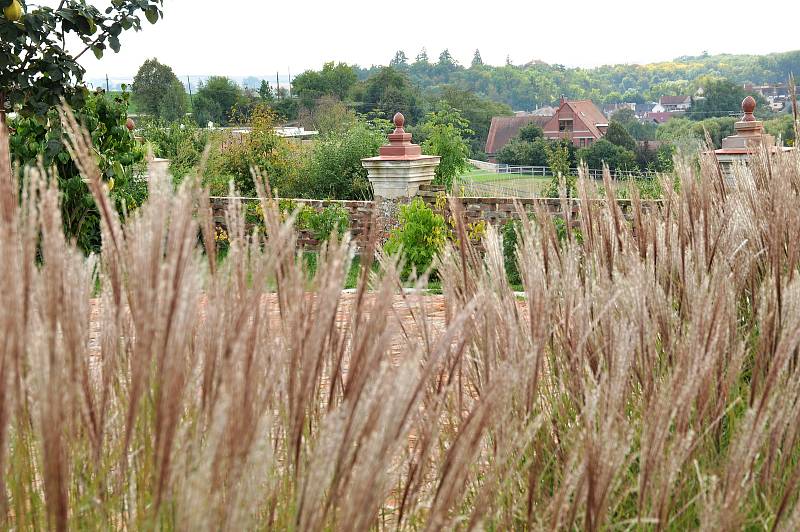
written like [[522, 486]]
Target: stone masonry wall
[[495, 211]]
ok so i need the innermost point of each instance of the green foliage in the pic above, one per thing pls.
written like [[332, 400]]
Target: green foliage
[[603, 152], [329, 115], [559, 162], [531, 132], [334, 170], [536, 153], [387, 92], [261, 148], [444, 132], [782, 127], [37, 67], [420, 236], [617, 134], [325, 222], [180, 142], [477, 60], [475, 110], [286, 108], [333, 80], [681, 129], [158, 92], [117, 152], [521, 153], [215, 100], [722, 97], [638, 130], [510, 234], [265, 92]]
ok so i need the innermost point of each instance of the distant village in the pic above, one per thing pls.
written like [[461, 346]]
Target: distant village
[[583, 122]]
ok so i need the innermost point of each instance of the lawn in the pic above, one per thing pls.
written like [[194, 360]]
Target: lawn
[[481, 183]]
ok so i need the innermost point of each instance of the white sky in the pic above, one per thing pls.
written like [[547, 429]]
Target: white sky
[[259, 37]]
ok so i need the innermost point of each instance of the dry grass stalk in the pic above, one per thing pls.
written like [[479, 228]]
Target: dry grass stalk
[[649, 380]]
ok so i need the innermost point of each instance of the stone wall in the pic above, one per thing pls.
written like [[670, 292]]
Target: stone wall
[[360, 213], [495, 211]]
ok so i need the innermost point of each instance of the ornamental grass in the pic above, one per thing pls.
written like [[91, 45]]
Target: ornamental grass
[[650, 380]]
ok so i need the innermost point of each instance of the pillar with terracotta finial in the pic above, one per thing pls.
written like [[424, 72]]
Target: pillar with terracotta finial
[[750, 137], [400, 168]]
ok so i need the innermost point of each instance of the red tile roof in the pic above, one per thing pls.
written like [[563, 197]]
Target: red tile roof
[[589, 114], [505, 128], [584, 111]]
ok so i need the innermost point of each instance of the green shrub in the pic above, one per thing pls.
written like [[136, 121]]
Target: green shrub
[[510, 239], [180, 142], [420, 236], [321, 224], [334, 168]]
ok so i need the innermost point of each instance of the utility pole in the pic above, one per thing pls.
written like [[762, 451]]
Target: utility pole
[[278, 83], [107, 89], [290, 81]]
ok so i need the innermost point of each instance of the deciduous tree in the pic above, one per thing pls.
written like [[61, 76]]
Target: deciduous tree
[[36, 67], [157, 91], [215, 100]]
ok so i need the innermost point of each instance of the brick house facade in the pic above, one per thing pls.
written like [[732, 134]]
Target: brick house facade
[[578, 120]]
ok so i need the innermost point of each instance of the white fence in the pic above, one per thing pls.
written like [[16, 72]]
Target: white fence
[[546, 171], [526, 181]]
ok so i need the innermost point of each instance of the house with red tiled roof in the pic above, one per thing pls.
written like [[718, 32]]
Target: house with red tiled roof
[[578, 120], [504, 128]]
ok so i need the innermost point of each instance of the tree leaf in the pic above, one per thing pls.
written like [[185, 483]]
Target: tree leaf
[[152, 14], [98, 52]]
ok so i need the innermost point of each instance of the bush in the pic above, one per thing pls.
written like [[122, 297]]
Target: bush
[[420, 236], [603, 152], [445, 131], [180, 142], [510, 237], [322, 224], [261, 148], [334, 169]]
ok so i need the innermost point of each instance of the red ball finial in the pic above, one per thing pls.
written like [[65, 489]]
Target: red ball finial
[[748, 106], [130, 124], [399, 120]]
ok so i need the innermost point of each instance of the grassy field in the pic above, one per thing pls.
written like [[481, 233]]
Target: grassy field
[[479, 182]]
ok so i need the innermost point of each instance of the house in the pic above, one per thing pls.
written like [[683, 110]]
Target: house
[[668, 104], [611, 108], [578, 120], [504, 128], [643, 108], [776, 94]]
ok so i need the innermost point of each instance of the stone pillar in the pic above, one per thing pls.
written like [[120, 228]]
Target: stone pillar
[[750, 137], [400, 169]]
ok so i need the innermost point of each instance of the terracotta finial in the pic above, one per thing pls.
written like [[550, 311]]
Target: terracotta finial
[[399, 120], [748, 106]]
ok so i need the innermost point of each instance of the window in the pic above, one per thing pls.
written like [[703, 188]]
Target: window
[[582, 143], [565, 125]]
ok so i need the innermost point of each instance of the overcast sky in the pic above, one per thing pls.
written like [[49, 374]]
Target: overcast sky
[[257, 37]]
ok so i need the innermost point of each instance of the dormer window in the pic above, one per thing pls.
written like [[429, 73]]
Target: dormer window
[[565, 125]]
